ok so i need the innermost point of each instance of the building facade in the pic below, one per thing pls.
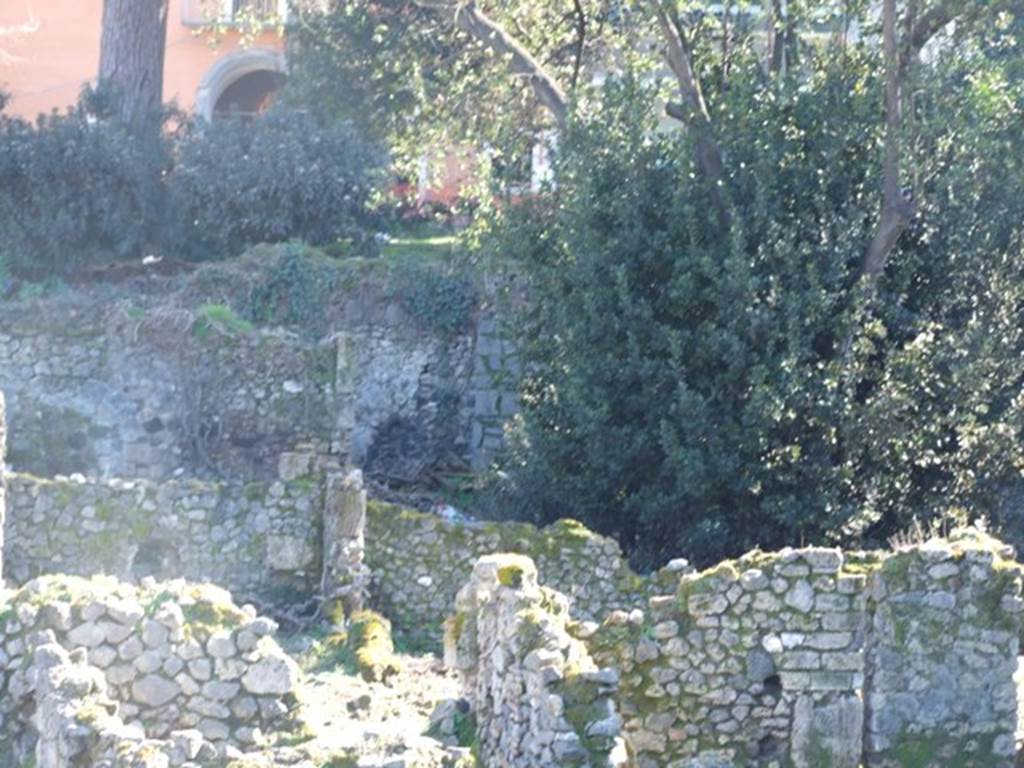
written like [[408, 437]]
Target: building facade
[[49, 49]]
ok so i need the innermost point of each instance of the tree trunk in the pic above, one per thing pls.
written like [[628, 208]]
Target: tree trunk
[[132, 59], [477, 24]]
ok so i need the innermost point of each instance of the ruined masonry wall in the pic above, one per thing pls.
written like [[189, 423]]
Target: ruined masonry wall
[[943, 641], [420, 561], [3, 481], [113, 396], [187, 673], [538, 697], [790, 658], [261, 540]]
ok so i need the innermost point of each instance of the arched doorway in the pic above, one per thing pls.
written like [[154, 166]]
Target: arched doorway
[[250, 94], [242, 82]]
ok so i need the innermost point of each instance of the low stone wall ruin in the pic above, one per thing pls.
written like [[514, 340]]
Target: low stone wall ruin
[[94, 670], [420, 561], [538, 697], [260, 540], [808, 658], [169, 375]]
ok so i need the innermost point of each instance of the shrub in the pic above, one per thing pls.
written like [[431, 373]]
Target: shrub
[[241, 181], [699, 395], [437, 299], [76, 190]]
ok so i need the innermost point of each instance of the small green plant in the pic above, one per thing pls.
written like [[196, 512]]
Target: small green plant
[[296, 291], [219, 318], [438, 300]]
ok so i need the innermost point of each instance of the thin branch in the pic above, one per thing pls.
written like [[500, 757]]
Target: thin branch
[[471, 20], [776, 46], [693, 111], [898, 208], [581, 40]]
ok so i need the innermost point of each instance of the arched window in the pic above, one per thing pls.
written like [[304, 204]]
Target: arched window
[[241, 82]]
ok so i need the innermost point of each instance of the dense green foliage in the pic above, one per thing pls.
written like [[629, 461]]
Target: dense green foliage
[[410, 78], [241, 181], [702, 394], [78, 190], [75, 189]]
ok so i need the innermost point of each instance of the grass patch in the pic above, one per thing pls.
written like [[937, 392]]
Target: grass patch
[[405, 249], [219, 318], [320, 650]]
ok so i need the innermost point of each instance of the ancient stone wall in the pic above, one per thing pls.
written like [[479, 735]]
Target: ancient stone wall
[[942, 646], [812, 658], [497, 371], [104, 395], [754, 662], [214, 372], [3, 481], [95, 671], [261, 540], [420, 561], [538, 697]]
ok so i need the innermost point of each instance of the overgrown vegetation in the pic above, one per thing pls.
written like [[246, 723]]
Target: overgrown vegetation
[[704, 393], [241, 181], [79, 190]]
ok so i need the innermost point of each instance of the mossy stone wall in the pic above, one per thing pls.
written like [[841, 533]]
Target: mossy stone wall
[[153, 380], [262, 540], [537, 695], [815, 658], [420, 561], [943, 642]]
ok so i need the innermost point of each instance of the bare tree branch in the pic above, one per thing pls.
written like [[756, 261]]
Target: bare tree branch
[[581, 40], [776, 39], [898, 208], [470, 19], [693, 111]]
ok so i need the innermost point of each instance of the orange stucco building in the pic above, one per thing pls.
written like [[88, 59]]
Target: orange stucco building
[[52, 47]]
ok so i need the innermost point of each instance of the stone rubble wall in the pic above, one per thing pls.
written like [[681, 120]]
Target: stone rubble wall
[[943, 641], [95, 668], [262, 540], [751, 663], [81, 726], [537, 695], [266, 542], [497, 372], [107, 395], [811, 658], [420, 561]]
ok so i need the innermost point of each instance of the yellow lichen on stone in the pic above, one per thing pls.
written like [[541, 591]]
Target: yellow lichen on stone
[[370, 640]]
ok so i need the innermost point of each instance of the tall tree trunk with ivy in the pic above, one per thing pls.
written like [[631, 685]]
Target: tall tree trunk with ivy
[[132, 50]]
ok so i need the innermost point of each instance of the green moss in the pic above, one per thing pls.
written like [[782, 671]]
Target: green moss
[[369, 638], [254, 491], [511, 576], [341, 761]]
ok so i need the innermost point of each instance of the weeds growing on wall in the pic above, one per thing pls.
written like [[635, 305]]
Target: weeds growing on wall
[[296, 292], [437, 299]]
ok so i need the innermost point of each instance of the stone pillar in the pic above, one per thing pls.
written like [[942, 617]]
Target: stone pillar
[[345, 576], [3, 485]]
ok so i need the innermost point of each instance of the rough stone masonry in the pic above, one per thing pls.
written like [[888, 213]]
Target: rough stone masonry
[[804, 658]]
